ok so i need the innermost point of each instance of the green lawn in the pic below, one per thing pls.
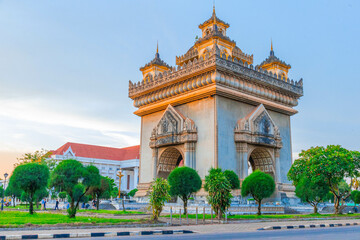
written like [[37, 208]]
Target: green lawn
[[120, 212], [23, 206], [275, 216], [11, 218]]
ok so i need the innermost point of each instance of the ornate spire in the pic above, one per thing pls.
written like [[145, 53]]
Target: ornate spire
[[157, 46], [272, 50]]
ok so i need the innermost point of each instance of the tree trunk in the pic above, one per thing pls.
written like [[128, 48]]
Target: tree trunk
[[31, 206], [185, 205], [14, 201], [72, 209], [259, 208], [123, 203], [97, 202], [315, 209], [337, 205]]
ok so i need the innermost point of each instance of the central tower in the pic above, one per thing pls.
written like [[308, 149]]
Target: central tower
[[215, 109]]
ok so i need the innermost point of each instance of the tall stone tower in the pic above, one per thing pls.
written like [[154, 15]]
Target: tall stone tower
[[215, 109]]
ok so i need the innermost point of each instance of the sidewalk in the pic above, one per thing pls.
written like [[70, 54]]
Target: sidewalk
[[208, 228]]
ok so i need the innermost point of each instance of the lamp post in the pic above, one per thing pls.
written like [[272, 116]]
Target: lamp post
[[3, 196], [120, 175]]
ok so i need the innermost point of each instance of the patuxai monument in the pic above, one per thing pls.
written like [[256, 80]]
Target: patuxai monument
[[216, 108]]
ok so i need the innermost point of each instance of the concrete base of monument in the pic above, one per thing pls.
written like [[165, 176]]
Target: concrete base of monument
[[284, 195]]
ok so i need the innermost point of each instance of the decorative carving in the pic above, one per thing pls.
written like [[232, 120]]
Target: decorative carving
[[173, 128], [258, 128]]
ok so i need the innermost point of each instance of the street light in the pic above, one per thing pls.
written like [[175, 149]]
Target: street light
[[3, 196]]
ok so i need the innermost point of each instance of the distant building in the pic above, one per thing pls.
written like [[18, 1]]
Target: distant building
[[107, 159]]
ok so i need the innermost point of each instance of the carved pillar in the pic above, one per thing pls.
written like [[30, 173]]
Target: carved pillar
[[242, 159], [190, 155], [155, 161], [277, 165]]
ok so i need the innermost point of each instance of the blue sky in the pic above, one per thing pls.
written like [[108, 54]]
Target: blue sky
[[65, 65]]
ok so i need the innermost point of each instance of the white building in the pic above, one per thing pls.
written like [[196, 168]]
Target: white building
[[107, 159]]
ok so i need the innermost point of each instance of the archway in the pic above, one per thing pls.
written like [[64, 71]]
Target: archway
[[261, 159], [169, 159]]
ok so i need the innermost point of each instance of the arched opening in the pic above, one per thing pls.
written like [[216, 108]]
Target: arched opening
[[169, 159], [261, 159]]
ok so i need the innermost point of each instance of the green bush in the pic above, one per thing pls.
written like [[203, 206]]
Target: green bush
[[133, 192], [184, 181], [159, 194], [219, 189], [259, 185]]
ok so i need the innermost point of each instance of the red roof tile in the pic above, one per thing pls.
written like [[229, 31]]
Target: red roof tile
[[99, 152]]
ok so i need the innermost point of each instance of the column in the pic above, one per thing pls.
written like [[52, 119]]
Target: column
[[242, 160], [136, 176], [190, 155], [277, 166], [155, 162]]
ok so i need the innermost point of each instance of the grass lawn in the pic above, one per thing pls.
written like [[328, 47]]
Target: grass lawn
[[17, 218], [23, 206], [275, 216], [120, 212]]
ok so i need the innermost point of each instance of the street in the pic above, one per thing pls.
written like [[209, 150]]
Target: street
[[336, 233]]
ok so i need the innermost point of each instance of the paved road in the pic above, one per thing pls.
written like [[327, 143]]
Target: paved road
[[348, 233]]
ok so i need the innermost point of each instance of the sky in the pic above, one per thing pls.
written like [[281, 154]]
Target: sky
[[65, 65]]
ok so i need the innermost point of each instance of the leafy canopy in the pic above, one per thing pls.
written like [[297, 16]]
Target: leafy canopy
[[259, 185], [73, 178], [159, 194], [219, 189], [184, 181], [233, 179], [330, 165], [311, 192], [31, 178]]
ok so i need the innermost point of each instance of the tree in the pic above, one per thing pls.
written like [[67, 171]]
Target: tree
[[62, 195], [355, 196], [133, 192], [233, 179], [73, 178], [184, 181], [31, 178], [13, 191], [331, 165], [41, 156], [312, 192], [259, 185], [101, 191], [159, 194], [219, 189]]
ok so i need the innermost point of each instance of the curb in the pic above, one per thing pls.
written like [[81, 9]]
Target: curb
[[95, 234], [309, 226]]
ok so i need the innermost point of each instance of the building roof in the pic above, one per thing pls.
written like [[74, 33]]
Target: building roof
[[100, 152], [156, 61], [273, 59], [213, 20]]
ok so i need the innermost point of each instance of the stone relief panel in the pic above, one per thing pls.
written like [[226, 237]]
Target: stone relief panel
[[258, 128], [173, 128]]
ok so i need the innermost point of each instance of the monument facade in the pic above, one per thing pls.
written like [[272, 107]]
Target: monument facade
[[215, 109]]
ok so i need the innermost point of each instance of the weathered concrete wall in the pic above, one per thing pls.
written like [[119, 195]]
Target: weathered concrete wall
[[282, 121], [202, 113], [228, 113], [148, 123]]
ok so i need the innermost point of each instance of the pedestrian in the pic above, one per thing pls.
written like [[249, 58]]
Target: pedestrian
[[42, 204], [57, 205]]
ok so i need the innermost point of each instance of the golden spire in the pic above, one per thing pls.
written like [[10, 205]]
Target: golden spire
[[214, 8], [157, 46], [271, 46]]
